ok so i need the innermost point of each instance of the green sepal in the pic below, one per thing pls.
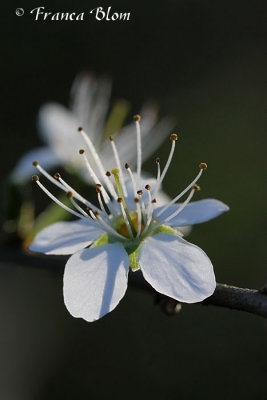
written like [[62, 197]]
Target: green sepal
[[132, 246], [104, 239]]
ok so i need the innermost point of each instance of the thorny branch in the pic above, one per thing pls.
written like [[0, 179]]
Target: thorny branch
[[249, 300]]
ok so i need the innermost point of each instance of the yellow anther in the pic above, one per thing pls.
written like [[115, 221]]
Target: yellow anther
[[70, 195], [140, 192], [137, 118], [196, 187], [57, 176], [148, 187], [174, 137], [35, 178], [203, 165], [35, 163]]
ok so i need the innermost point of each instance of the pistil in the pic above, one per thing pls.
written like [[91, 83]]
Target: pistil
[[115, 172]]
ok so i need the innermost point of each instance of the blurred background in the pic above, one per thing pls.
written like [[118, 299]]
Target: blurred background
[[204, 63]]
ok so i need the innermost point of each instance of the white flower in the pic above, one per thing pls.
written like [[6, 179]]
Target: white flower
[[89, 108], [127, 229]]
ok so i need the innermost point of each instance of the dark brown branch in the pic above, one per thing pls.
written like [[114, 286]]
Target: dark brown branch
[[253, 301], [249, 300]]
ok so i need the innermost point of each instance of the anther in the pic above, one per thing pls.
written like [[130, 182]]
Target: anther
[[89, 208], [139, 192], [111, 138], [137, 118], [96, 212], [148, 187], [127, 165], [57, 175], [35, 163], [157, 160], [81, 151], [203, 165], [70, 195], [108, 173], [196, 187], [136, 200], [35, 178], [80, 129], [154, 200], [119, 200], [174, 137], [97, 189]]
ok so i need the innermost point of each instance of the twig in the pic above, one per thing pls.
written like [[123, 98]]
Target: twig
[[249, 300]]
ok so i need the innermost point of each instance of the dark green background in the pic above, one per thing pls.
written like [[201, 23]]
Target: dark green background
[[204, 62]]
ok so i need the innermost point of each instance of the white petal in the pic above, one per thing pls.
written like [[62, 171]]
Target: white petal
[[177, 268], [65, 237], [90, 104], [95, 280], [24, 168], [58, 127], [194, 213]]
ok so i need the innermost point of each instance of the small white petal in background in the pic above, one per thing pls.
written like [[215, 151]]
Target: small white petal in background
[[57, 126]]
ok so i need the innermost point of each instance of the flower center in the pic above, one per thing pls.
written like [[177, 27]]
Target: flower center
[[123, 230]]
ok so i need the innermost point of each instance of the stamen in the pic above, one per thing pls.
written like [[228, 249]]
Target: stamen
[[118, 163], [180, 209], [99, 193], [149, 211], [139, 217], [67, 187], [143, 207], [95, 178], [127, 166], [47, 175], [36, 179], [137, 119], [183, 192], [115, 172], [97, 160], [59, 182], [73, 202], [173, 138]]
